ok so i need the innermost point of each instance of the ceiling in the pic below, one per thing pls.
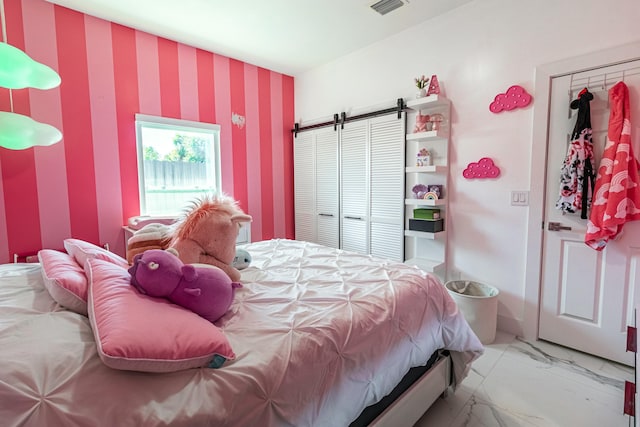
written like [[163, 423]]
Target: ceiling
[[287, 36]]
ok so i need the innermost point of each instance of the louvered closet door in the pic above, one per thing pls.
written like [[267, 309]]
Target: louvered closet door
[[304, 186], [386, 190], [354, 187], [327, 198]]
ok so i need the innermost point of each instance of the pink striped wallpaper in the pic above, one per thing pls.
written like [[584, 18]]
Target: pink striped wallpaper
[[87, 185]]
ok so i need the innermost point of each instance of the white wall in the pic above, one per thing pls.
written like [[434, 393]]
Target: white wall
[[477, 51]]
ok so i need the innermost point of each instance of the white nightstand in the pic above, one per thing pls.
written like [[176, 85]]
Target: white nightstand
[[244, 236]]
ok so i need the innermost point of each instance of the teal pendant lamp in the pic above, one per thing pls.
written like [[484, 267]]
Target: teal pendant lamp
[[18, 132], [19, 71]]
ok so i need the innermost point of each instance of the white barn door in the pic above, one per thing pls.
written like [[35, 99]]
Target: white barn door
[[304, 186], [387, 154], [315, 155], [354, 184], [588, 297], [372, 186]]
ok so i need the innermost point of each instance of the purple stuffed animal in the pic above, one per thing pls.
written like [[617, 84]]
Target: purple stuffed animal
[[204, 289]]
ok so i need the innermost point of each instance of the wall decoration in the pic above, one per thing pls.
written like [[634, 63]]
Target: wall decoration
[[514, 97], [434, 86], [483, 169], [238, 120]]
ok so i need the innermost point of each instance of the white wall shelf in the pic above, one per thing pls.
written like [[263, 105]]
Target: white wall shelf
[[425, 202], [432, 135], [426, 169], [428, 102], [425, 250], [422, 234], [428, 265]]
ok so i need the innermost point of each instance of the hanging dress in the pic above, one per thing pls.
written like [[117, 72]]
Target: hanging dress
[[616, 197], [576, 176]]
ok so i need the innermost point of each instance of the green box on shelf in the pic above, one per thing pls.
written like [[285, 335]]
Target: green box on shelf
[[423, 213]]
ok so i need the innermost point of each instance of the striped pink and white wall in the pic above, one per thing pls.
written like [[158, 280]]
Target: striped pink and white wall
[[87, 185]]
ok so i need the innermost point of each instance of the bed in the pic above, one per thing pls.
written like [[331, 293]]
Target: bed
[[319, 335]]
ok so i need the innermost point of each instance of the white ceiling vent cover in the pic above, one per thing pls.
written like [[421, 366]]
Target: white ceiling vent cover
[[385, 6]]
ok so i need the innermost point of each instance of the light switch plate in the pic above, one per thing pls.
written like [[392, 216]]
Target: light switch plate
[[519, 198]]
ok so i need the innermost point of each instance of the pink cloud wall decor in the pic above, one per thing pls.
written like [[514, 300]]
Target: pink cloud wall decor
[[514, 97], [483, 169]]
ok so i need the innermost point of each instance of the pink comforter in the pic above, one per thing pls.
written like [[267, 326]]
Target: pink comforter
[[319, 334]]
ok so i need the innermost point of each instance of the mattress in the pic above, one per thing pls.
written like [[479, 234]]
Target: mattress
[[319, 334]]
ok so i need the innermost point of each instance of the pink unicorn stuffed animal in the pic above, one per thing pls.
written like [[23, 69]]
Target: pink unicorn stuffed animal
[[208, 233]]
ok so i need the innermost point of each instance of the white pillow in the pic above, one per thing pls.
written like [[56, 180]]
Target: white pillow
[[81, 250]]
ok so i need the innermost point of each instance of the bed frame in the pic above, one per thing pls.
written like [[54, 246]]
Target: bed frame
[[411, 398]]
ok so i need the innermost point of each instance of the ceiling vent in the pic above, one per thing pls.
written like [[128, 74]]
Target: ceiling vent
[[385, 6]]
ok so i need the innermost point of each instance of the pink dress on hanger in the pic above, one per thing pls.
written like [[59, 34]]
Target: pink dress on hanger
[[576, 176], [616, 196]]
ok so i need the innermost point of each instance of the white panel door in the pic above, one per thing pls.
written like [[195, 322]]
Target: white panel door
[[327, 193], [354, 172], [304, 186], [386, 188], [587, 297]]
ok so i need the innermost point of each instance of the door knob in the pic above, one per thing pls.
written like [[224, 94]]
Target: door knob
[[556, 226]]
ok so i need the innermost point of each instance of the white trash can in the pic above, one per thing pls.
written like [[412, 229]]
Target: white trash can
[[479, 305]]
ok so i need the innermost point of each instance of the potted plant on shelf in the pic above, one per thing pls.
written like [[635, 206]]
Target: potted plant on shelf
[[421, 83]]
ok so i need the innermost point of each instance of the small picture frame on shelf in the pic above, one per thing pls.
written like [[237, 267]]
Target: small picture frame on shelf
[[435, 121], [423, 158], [423, 123], [436, 189]]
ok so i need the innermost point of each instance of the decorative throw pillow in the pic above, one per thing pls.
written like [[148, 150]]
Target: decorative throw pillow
[[64, 279], [81, 250], [140, 333]]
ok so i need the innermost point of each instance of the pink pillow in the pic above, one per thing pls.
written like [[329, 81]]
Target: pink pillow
[[64, 279], [81, 250], [137, 332]]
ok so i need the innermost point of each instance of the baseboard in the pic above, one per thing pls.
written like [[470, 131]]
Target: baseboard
[[510, 325]]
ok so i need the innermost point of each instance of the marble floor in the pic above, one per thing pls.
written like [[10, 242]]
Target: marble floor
[[518, 383]]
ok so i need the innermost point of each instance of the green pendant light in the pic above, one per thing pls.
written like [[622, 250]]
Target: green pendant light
[[18, 132], [19, 71]]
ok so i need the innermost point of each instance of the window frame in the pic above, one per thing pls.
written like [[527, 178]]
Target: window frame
[[166, 123]]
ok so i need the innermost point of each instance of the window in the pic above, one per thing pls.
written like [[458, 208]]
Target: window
[[178, 161]]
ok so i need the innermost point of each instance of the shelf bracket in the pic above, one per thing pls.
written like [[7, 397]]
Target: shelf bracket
[[335, 121], [343, 118]]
